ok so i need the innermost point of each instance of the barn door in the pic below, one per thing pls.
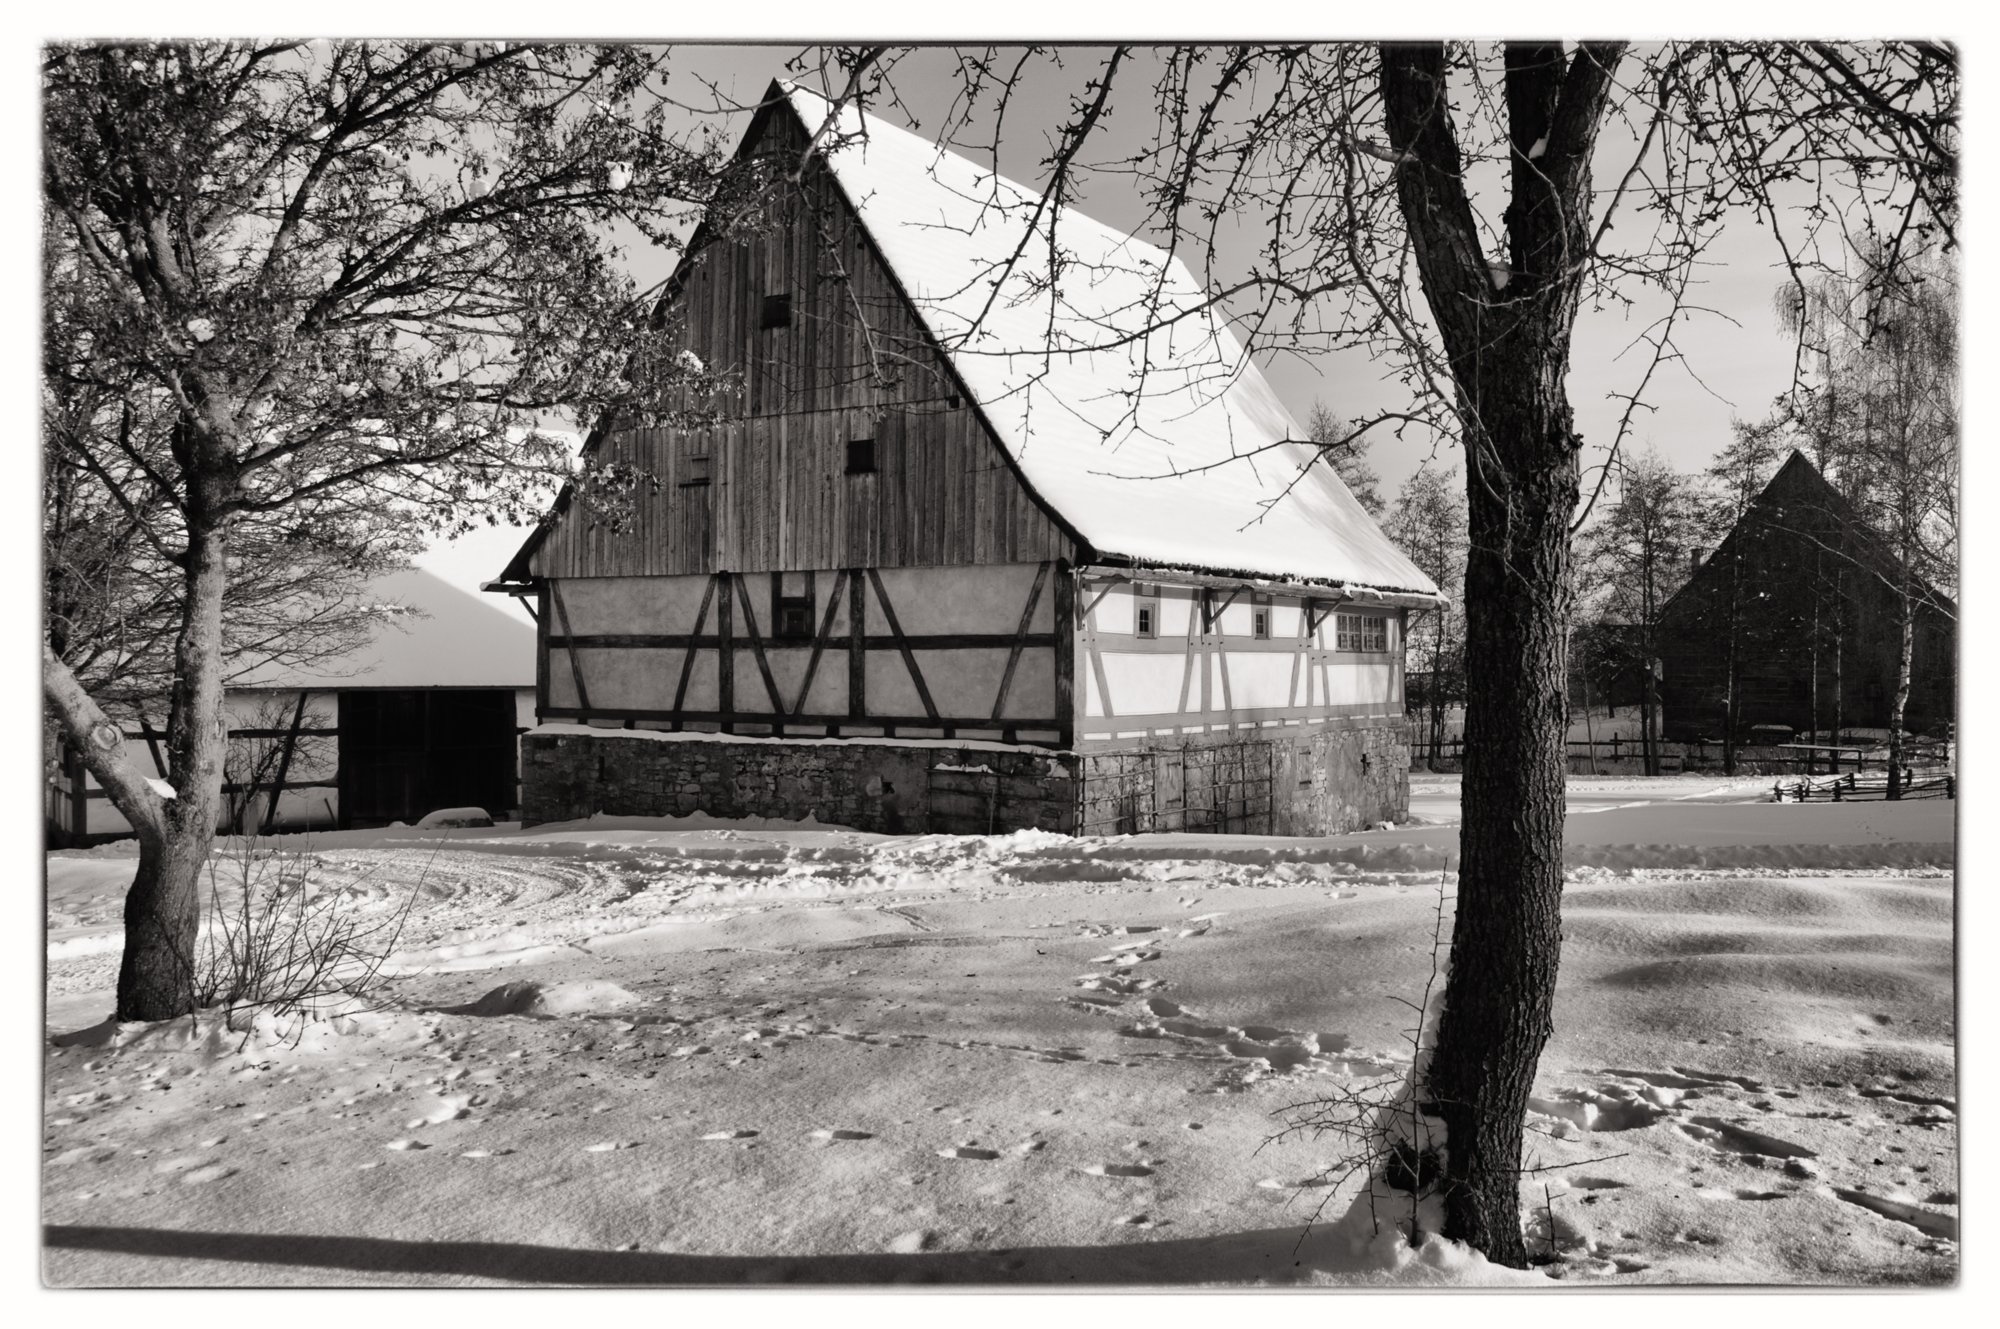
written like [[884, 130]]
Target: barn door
[[404, 753]]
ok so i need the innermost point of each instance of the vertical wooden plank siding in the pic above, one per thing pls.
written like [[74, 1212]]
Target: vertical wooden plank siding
[[854, 363]]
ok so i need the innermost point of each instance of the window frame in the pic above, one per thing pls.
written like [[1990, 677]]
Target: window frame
[[1146, 613], [1361, 634], [802, 605]]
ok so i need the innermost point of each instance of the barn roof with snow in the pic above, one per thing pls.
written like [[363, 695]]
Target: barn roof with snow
[[1127, 407], [433, 635]]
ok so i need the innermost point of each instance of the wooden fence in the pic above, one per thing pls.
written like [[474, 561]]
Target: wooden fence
[[1676, 758]]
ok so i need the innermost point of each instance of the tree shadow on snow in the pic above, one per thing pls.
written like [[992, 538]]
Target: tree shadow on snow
[[1273, 1255]]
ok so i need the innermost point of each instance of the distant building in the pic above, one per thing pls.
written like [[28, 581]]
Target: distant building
[[427, 715], [1075, 569], [1797, 606]]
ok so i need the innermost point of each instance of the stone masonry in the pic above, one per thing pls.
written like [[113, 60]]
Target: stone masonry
[[869, 786]]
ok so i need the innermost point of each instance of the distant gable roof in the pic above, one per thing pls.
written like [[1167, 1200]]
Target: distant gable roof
[[1799, 483], [458, 640], [1130, 408]]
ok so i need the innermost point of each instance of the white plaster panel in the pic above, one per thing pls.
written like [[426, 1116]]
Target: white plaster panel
[[751, 694], [788, 667], [1176, 609], [1032, 695], [828, 695], [1359, 684], [963, 682], [620, 679], [1143, 683], [633, 605], [1286, 619], [890, 691], [1114, 612], [974, 599], [1259, 679], [1235, 620]]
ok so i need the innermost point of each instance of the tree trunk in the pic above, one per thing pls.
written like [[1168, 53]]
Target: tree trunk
[[156, 979], [1508, 342], [1506, 939], [1906, 638]]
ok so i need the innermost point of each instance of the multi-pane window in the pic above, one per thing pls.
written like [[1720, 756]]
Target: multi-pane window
[[1146, 613], [1360, 632], [695, 471], [1260, 616]]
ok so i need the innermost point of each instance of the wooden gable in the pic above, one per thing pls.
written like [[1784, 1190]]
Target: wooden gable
[[821, 350]]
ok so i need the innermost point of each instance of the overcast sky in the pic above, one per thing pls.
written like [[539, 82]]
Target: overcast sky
[[1737, 358]]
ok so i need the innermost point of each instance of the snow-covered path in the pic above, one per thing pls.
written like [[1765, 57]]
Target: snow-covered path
[[749, 1056]]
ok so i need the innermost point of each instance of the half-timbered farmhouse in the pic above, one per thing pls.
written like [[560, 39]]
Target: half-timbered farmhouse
[[1795, 621], [969, 550], [424, 715]]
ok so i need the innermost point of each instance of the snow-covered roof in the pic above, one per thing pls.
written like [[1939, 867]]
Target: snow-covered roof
[[1130, 409], [457, 640]]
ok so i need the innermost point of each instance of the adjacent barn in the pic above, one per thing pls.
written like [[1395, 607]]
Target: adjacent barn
[[964, 550], [426, 716], [1794, 623]]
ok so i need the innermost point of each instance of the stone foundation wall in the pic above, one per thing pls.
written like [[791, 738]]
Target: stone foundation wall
[[1347, 775], [868, 786]]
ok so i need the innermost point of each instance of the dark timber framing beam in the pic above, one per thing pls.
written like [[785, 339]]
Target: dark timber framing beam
[[935, 641], [820, 640], [857, 647], [687, 661], [575, 665], [944, 722], [757, 645], [284, 764], [1021, 638], [725, 664], [909, 659]]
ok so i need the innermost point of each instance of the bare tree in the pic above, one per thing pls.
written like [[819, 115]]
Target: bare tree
[[1341, 445], [1881, 405], [1452, 208], [340, 287], [1634, 558], [1428, 524]]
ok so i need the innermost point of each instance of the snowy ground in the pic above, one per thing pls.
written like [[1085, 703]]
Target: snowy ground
[[621, 1054]]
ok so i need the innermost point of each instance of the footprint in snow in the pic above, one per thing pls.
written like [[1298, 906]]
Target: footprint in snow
[[610, 1146], [485, 1153], [843, 1135], [729, 1135], [201, 1176], [968, 1151], [1117, 1170], [406, 1146]]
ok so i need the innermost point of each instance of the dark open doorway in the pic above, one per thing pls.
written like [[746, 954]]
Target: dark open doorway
[[406, 753]]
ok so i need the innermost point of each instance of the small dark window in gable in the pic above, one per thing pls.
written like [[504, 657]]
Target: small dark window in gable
[[860, 456], [777, 311]]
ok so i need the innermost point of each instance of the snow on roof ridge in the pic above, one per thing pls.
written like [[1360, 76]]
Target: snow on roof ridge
[[1158, 440]]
